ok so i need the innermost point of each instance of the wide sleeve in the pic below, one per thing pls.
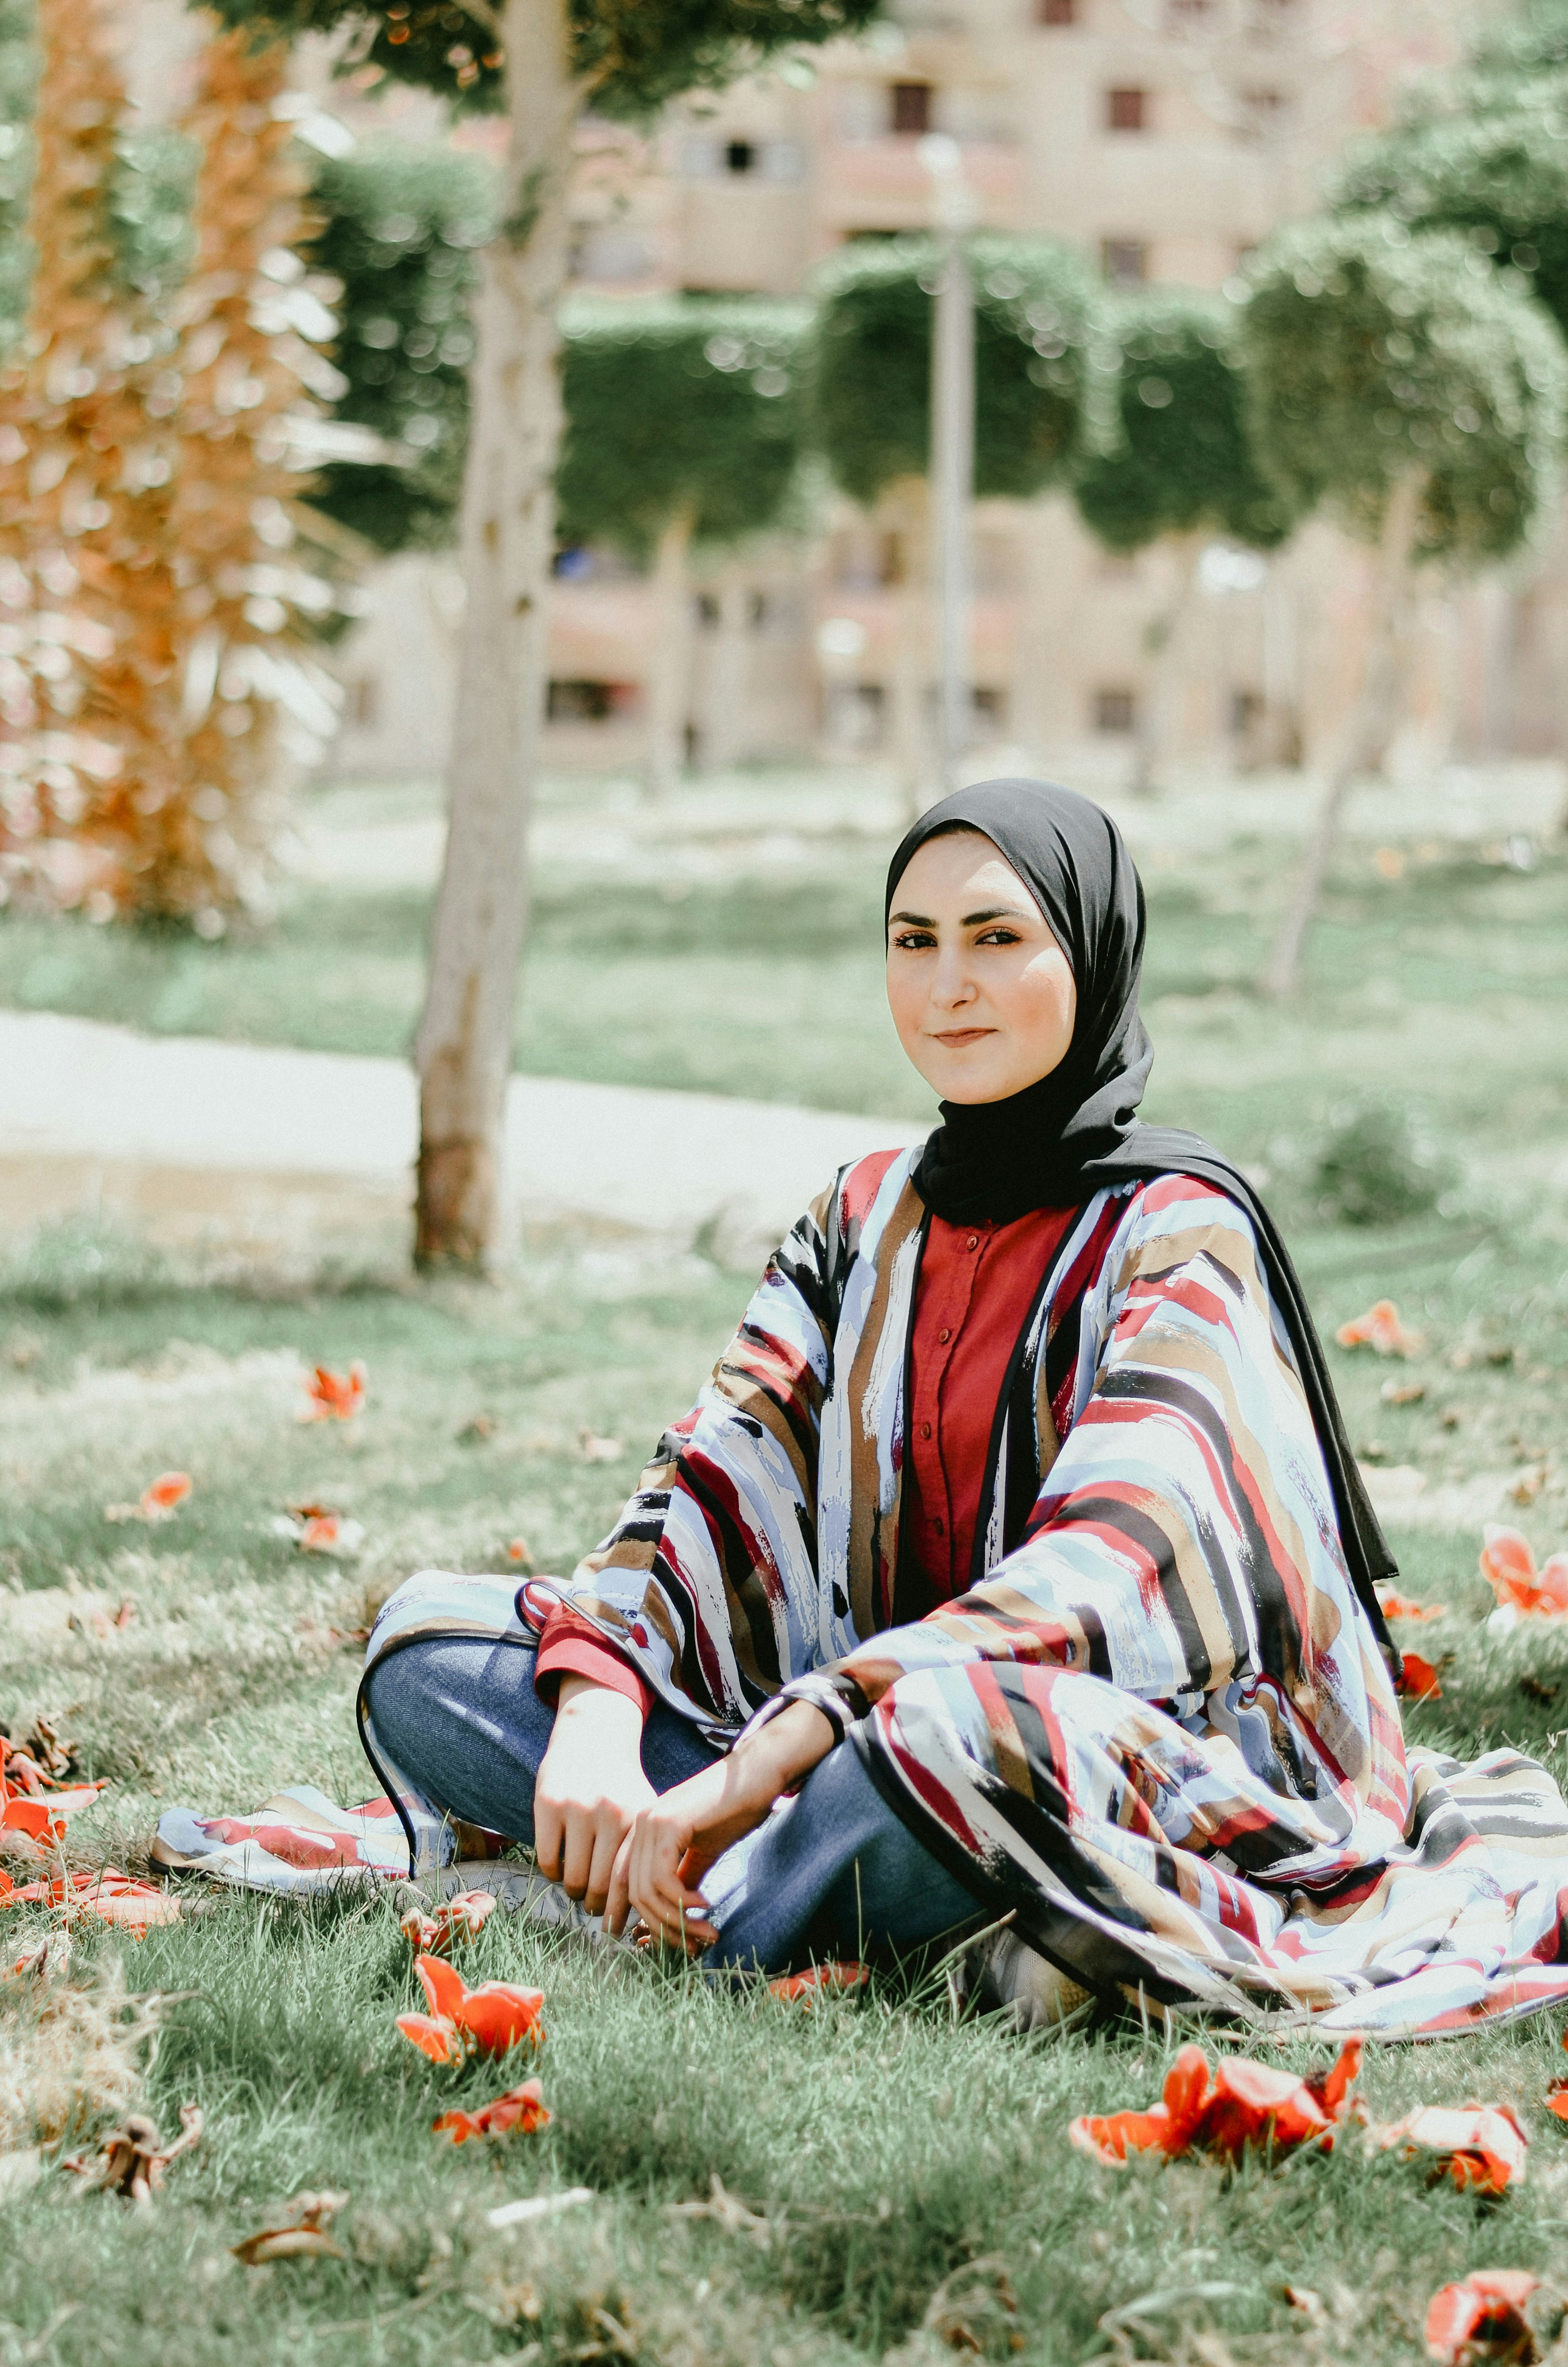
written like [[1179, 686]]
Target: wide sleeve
[[1185, 1537], [707, 1583]]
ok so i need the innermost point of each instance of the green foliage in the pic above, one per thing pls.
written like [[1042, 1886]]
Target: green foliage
[[1369, 354], [1373, 1166], [632, 54], [1501, 178], [678, 402], [1184, 461], [1035, 325], [399, 226]]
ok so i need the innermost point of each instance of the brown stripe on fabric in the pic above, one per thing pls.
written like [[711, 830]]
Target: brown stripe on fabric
[[1018, 1618], [620, 1552], [873, 1530], [754, 1398]]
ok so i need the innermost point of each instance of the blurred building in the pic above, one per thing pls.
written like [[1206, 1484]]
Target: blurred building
[[1165, 138]]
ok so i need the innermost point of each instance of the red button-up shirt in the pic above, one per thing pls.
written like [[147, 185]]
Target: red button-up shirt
[[977, 1284]]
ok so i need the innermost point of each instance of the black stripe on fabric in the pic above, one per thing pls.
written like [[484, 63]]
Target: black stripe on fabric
[[799, 1413], [688, 1674], [1140, 1530], [741, 1577], [1279, 1637], [1094, 1959]]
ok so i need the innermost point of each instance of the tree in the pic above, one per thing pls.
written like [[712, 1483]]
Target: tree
[[399, 227], [1402, 383], [86, 674], [1183, 470], [545, 60], [682, 428], [1035, 324]]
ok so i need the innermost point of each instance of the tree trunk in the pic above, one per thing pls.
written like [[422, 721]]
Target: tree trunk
[[669, 689], [724, 705], [1164, 641], [910, 733], [1368, 734], [464, 1045]]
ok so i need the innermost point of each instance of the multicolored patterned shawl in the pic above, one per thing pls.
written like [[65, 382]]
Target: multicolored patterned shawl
[[1158, 1728]]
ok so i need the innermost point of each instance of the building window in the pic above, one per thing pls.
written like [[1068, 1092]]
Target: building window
[[1124, 261], [1188, 16], [989, 709], [910, 107], [739, 156], [1247, 713], [581, 702], [364, 703], [1127, 111], [1056, 12], [1115, 711], [1260, 112], [853, 714]]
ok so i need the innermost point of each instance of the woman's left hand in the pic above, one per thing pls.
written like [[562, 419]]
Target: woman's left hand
[[676, 1837]]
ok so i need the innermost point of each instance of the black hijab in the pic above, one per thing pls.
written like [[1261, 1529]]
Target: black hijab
[[1058, 1142]]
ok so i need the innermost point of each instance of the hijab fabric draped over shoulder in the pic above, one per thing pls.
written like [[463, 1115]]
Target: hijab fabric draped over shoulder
[[1076, 1131]]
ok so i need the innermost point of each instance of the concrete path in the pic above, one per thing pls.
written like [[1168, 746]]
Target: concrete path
[[216, 1134]]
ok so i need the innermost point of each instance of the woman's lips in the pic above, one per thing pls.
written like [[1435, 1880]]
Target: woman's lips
[[957, 1037]]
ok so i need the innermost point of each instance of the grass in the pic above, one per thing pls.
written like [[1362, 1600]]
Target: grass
[[905, 2168]]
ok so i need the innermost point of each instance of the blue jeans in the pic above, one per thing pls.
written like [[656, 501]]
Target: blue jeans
[[834, 1873]]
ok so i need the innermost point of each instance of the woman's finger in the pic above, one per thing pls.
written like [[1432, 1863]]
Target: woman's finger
[[618, 1906], [547, 1837], [606, 1847], [577, 1854]]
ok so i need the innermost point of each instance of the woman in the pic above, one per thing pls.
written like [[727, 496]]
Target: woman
[[1017, 1536]]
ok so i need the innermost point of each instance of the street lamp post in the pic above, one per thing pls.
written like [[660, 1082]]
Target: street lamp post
[[953, 216]]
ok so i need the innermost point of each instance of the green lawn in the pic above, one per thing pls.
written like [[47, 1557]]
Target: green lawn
[[885, 2147]]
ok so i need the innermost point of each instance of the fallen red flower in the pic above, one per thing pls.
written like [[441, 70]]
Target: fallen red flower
[[1420, 1679], [110, 1895], [521, 2108], [1381, 1330], [493, 2018], [463, 1917], [1508, 1565], [1480, 2145], [335, 1396], [1247, 2104], [804, 1988], [159, 1501], [1483, 2313], [1403, 1606]]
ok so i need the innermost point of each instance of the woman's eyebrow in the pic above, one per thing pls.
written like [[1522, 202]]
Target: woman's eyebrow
[[911, 920], [993, 912]]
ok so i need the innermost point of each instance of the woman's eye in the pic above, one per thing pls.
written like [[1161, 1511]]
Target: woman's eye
[[998, 938], [913, 940]]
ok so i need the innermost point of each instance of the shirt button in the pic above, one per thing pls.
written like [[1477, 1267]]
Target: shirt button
[[925, 1430], [944, 1334], [972, 1242]]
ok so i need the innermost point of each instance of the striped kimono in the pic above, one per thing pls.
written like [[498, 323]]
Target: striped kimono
[[1157, 1727]]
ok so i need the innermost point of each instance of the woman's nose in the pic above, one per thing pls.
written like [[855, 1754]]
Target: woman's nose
[[953, 984]]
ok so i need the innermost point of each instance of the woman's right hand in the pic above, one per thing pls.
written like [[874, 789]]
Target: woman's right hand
[[589, 1788]]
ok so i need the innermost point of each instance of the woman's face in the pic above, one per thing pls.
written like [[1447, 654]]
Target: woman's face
[[983, 996]]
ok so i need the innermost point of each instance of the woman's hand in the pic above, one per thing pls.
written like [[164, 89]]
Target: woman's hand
[[677, 1836], [590, 1786]]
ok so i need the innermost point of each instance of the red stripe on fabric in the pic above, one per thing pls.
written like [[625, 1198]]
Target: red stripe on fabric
[[863, 1183], [570, 1646], [1167, 1191], [934, 1796]]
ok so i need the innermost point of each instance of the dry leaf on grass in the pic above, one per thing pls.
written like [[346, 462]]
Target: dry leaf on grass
[[302, 2236], [491, 2020], [1381, 1330], [728, 2212], [335, 1396], [595, 1449], [1242, 2103], [317, 1528], [132, 2160]]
